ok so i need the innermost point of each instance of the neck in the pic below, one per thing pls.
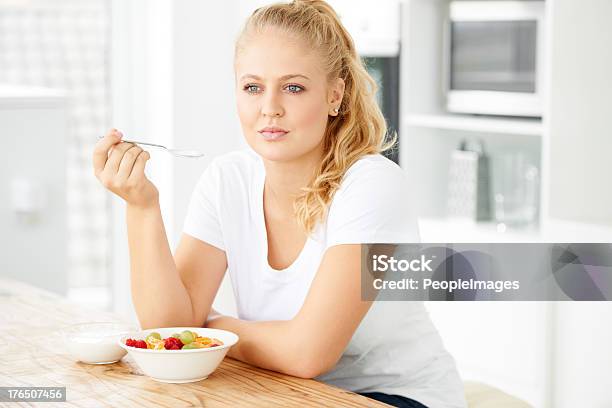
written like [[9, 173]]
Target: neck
[[284, 180]]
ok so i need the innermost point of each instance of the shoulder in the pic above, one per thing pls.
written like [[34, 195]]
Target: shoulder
[[373, 204], [373, 173]]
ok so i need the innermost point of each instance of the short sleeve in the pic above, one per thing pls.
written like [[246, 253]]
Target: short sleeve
[[202, 220], [373, 205]]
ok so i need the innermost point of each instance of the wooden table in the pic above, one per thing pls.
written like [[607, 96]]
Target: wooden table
[[32, 355]]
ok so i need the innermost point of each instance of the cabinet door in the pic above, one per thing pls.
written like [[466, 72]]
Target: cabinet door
[[34, 245], [579, 187], [580, 130]]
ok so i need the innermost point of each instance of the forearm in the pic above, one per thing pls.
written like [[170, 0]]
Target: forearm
[[273, 345], [160, 297]]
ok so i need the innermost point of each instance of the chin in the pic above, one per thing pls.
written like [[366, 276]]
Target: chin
[[276, 152], [279, 151]]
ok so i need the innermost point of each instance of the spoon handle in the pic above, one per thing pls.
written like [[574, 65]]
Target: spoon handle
[[145, 143], [137, 142]]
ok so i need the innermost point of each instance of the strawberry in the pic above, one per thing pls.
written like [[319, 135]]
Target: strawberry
[[136, 343], [172, 343]]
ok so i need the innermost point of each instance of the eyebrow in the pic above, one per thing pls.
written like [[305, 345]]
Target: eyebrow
[[284, 77]]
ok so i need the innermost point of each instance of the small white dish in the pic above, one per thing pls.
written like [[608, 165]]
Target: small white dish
[[180, 366], [96, 342]]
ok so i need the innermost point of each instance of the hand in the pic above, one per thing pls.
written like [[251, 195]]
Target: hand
[[120, 168]]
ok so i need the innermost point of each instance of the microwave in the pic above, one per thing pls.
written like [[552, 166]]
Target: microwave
[[494, 57]]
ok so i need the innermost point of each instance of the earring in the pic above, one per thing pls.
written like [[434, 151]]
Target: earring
[[335, 110]]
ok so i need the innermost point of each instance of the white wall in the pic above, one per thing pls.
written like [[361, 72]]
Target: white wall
[[141, 90], [204, 105], [172, 83]]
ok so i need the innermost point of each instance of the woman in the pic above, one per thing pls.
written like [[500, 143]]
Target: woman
[[286, 218]]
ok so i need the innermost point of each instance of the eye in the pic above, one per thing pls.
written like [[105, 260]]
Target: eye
[[249, 88], [294, 88]]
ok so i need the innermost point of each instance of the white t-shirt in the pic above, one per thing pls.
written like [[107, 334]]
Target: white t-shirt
[[396, 349]]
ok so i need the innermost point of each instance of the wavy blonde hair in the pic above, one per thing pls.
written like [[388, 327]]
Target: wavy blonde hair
[[360, 127]]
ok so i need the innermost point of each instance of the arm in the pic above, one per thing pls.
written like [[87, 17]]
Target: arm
[[171, 291], [165, 291], [313, 341], [154, 276]]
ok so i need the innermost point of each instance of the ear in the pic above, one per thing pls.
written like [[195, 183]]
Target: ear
[[335, 96]]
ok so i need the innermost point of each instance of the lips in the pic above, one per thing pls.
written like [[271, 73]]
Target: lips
[[273, 132]]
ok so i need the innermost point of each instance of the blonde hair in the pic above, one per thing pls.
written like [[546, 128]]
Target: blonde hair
[[360, 127]]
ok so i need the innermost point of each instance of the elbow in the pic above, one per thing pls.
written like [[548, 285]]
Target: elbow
[[310, 355], [304, 371], [310, 364]]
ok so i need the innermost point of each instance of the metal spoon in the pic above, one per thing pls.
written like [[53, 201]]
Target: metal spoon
[[194, 154]]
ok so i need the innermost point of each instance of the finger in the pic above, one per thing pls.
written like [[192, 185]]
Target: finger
[[127, 162], [139, 166], [100, 153], [115, 157]]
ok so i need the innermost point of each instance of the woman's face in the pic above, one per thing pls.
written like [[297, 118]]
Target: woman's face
[[281, 86]]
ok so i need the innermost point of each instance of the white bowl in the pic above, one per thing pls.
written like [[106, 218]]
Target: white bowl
[[96, 342], [180, 366]]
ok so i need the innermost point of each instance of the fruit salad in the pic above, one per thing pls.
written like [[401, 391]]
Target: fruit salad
[[185, 340]]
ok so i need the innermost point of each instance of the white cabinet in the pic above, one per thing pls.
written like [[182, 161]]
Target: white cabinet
[[542, 352], [33, 208], [578, 138], [577, 155], [375, 29]]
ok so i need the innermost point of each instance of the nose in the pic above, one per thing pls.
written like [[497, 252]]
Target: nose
[[271, 106]]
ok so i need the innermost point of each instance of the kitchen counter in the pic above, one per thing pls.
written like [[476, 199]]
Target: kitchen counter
[[446, 230], [33, 355]]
